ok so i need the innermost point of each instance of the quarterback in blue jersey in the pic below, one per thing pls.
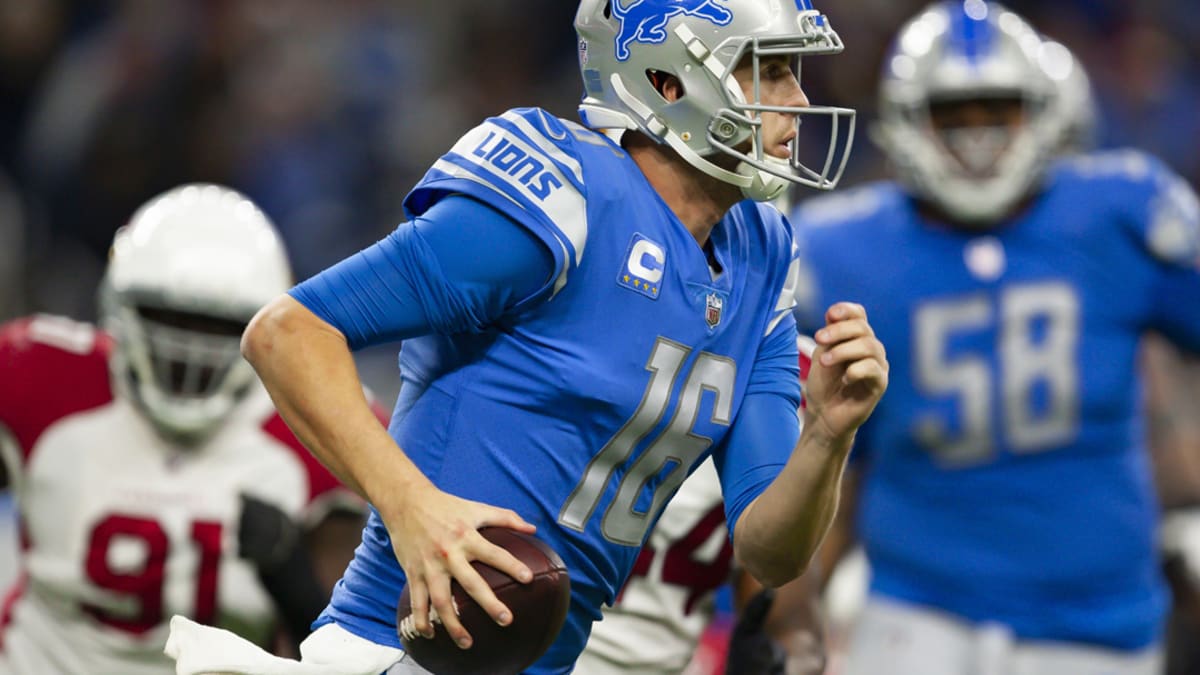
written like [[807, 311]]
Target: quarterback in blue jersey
[[584, 320], [1005, 498]]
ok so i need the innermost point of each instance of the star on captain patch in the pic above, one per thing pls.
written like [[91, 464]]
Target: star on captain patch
[[713, 305], [643, 268]]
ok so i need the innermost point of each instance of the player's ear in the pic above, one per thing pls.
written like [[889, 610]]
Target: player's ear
[[667, 85]]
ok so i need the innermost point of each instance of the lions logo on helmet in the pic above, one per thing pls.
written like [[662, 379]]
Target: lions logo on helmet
[[644, 20], [622, 44]]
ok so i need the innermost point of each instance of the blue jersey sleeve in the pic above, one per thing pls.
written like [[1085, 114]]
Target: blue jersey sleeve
[[427, 277], [767, 426], [1177, 307], [1170, 226], [524, 164]]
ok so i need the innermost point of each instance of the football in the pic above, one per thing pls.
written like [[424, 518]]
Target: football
[[539, 609]]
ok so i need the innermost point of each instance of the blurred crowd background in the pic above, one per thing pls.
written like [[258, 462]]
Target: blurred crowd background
[[326, 112]]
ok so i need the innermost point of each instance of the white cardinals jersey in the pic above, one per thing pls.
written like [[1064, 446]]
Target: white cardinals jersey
[[121, 529]]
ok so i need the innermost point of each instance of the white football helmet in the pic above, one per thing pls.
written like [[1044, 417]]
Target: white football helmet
[[623, 43], [963, 50], [184, 278]]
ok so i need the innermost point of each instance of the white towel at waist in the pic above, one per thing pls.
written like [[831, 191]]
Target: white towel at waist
[[330, 650]]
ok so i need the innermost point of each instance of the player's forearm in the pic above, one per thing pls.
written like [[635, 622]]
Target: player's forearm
[[1173, 390], [781, 529], [840, 539], [309, 371]]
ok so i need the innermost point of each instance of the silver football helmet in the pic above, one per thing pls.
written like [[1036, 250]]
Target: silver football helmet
[[1073, 106], [184, 278], [623, 44], [964, 50]]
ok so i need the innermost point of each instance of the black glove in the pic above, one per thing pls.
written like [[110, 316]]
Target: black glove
[[267, 537], [751, 650], [274, 544]]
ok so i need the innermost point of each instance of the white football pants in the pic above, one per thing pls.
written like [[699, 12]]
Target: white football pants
[[892, 638]]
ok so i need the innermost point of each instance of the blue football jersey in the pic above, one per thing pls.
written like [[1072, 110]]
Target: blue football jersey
[[582, 412], [1006, 477]]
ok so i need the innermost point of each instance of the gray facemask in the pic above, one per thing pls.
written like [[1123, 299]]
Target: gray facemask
[[977, 149]]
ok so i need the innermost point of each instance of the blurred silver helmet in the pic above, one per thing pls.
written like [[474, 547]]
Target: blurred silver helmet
[[623, 43], [184, 278], [1072, 106], [966, 50]]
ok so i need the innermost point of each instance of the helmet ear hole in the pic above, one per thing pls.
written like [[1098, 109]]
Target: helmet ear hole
[[608, 10], [668, 86]]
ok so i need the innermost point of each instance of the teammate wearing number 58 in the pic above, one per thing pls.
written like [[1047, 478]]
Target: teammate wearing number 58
[[151, 473], [1005, 499], [588, 312]]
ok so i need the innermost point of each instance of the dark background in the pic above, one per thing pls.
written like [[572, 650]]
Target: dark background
[[326, 112]]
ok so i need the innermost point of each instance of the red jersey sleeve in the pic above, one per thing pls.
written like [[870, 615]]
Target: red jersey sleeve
[[50, 367]]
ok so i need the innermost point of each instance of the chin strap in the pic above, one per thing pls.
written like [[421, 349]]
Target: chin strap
[[756, 184], [651, 124], [763, 187]]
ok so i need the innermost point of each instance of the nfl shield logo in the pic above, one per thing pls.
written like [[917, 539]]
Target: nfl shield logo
[[713, 304]]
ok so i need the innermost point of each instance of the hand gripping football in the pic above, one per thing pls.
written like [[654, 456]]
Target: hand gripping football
[[539, 609]]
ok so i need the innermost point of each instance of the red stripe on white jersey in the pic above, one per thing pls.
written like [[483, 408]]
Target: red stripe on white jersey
[[51, 368], [321, 482]]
